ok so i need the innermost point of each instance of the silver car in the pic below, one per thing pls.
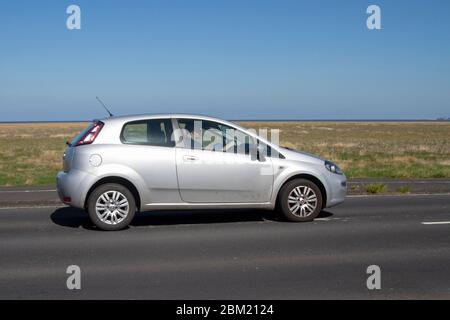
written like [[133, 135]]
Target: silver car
[[120, 165]]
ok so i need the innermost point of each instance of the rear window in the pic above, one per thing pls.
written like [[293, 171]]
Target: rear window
[[154, 132]]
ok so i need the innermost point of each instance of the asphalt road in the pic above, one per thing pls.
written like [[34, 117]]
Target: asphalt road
[[232, 255]]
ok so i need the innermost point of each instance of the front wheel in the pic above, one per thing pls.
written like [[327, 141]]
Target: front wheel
[[300, 200], [111, 207]]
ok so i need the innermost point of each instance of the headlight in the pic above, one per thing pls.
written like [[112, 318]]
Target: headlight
[[333, 167]]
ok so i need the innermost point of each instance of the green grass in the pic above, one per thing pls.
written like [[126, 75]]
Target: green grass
[[376, 188], [404, 189], [31, 154]]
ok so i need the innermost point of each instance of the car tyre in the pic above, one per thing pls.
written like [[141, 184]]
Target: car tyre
[[111, 207], [300, 200]]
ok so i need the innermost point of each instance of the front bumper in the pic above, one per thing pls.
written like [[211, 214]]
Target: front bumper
[[338, 189]]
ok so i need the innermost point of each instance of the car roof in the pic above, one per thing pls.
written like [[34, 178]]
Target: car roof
[[158, 115], [137, 117]]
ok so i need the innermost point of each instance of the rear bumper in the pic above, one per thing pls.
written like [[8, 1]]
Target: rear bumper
[[73, 186]]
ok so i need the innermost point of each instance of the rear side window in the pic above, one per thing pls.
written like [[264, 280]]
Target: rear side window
[[154, 132]]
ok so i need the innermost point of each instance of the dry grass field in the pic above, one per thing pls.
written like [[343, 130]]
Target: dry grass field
[[31, 154], [373, 149]]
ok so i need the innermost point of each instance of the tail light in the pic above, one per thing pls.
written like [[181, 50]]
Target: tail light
[[91, 134]]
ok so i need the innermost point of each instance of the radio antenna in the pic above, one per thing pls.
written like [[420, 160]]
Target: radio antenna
[[101, 102]]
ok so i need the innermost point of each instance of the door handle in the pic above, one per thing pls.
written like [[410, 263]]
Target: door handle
[[190, 158]]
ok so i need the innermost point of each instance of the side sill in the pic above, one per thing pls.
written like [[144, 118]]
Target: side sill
[[187, 205]]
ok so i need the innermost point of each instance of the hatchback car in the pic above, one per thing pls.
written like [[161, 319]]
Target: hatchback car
[[122, 165]]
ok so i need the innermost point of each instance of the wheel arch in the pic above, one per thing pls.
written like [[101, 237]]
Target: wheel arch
[[309, 177], [118, 180]]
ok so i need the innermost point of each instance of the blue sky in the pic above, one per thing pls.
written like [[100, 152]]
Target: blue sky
[[235, 59]]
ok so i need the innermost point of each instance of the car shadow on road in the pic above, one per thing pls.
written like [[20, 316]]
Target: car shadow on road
[[71, 217], [76, 218]]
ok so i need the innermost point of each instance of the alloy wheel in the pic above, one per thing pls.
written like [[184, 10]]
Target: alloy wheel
[[112, 207], [302, 201]]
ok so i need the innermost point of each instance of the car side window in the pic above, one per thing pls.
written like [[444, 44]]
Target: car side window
[[153, 132], [214, 136], [188, 134]]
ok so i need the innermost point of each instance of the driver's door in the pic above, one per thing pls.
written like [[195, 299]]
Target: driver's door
[[211, 170]]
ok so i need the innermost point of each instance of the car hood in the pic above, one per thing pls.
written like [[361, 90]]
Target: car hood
[[292, 154]]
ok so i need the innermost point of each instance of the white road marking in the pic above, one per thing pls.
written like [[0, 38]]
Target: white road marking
[[436, 222], [319, 219], [32, 207], [397, 195], [348, 196], [326, 219], [27, 191], [402, 182]]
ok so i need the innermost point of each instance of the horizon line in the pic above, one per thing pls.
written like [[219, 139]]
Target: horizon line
[[263, 120]]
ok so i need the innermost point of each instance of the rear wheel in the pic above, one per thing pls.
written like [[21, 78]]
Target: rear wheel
[[111, 207], [300, 200]]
